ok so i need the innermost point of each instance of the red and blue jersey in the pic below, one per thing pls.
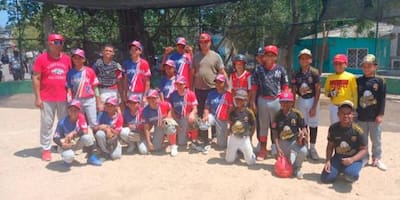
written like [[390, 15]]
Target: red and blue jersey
[[242, 81], [114, 122], [133, 119], [182, 65], [219, 104], [183, 105], [137, 73], [65, 126], [82, 82], [155, 116], [167, 86]]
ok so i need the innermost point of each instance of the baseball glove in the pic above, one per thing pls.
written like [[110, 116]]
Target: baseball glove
[[134, 137], [169, 125], [112, 143]]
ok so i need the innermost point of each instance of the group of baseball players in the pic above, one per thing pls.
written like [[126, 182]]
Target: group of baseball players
[[107, 105]]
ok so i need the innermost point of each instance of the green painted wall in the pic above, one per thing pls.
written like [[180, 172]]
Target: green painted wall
[[15, 87], [340, 45]]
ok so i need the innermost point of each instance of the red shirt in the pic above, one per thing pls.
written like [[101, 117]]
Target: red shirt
[[137, 74], [241, 82], [53, 74]]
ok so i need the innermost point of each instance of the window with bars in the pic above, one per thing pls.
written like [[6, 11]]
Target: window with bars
[[355, 56]]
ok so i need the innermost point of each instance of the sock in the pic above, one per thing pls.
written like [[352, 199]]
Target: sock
[[172, 139], [312, 146], [194, 135], [313, 135]]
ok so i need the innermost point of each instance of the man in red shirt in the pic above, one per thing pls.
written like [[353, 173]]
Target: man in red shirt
[[49, 81]]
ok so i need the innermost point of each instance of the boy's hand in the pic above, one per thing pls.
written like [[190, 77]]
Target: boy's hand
[[168, 50], [327, 167], [379, 119], [313, 112], [347, 161]]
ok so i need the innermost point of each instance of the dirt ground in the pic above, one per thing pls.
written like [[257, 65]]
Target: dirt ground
[[190, 175]]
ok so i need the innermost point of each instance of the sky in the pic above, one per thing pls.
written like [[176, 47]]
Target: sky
[[3, 18]]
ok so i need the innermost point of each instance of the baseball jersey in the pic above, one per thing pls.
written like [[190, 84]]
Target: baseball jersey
[[53, 76], [219, 104], [246, 117], [371, 98], [242, 81], [207, 68], [82, 82], [183, 105], [137, 73], [341, 87], [134, 119], [108, 74], [65, 126], [288, 126], [347, 140], [269, 82], [183, 63], [305, 82], [155, 116], [114, 122], [167, 86]]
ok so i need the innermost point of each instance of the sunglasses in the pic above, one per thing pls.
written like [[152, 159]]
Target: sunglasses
[[58, 42]]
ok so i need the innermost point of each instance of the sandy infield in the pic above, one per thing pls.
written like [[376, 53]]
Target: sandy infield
[[190, 175]]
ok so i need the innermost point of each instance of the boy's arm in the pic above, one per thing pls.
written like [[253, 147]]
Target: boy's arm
[[354, 91], [327, 87]]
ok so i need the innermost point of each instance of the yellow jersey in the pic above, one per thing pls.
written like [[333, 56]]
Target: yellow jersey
[[341, 87]]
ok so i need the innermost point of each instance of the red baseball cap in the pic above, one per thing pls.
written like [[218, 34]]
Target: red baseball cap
[[79, 52], [220, 77], [134, 98], [152, 94], [75, 103], [112, 100], [181, 40], [271, 49], [55, 36], [137, 44], [170, 63], [340, 58], [181, 80], [205, 37], [286, 95]]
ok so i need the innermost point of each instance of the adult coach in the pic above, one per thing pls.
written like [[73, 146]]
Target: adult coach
[[109, 74], [181, 59], [49, 81], [306, 83], [268, 80]]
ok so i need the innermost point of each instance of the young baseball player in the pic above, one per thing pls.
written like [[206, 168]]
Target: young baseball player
[[340, 86], [82, 85], [290, 133], [136, 76], [72, 134], [371, 107], [132, 133], [167, 82], [109, 73], [153, 115], [240, 78], [184, 104], [219, 103], [350, 145], [108, 130], [182, 59], [268, 81], [242, 127], [306, 83]]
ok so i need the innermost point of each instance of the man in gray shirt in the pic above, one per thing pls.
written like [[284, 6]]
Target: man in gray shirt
[[207, 64]]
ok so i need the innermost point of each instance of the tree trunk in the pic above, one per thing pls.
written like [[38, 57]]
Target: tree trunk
[[132, 28], [292, 37], [48, 23], [325, 35]]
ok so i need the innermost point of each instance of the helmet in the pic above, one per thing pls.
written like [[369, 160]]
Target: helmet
[[283, 167], [260, 51], [239, 57], [169, 125]]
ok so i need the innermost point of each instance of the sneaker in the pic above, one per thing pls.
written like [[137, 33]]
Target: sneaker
[[349, 179], [46, 155], [67, 165], [314, 154], [380, 165], [174, 150], [206, 149], [94, 160], [196, 146], [131, 148], [262, 154], [274, 152], [298, 174]]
